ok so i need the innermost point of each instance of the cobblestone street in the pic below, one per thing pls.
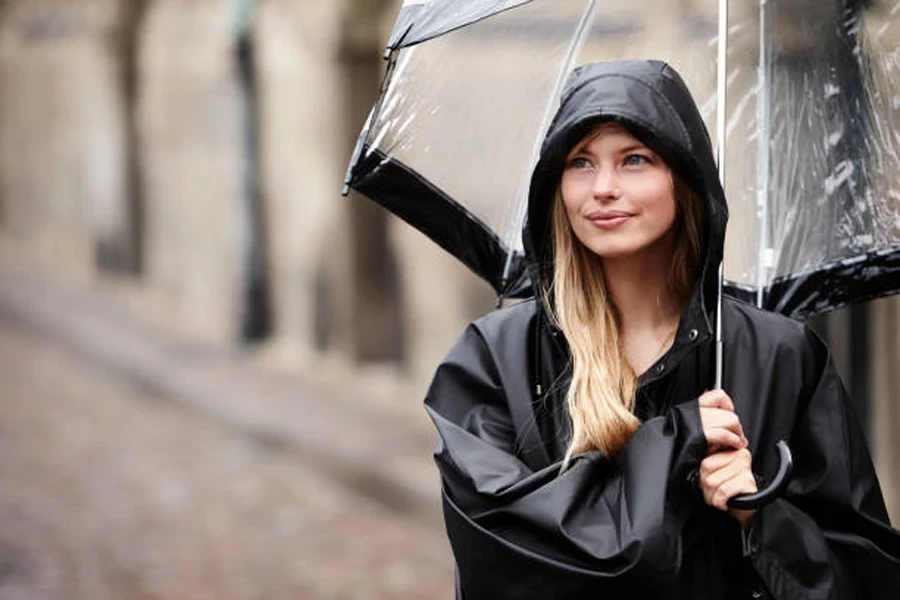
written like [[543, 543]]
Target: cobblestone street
[[108, 491]]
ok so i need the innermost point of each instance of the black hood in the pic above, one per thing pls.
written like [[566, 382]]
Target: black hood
[[652, 101]]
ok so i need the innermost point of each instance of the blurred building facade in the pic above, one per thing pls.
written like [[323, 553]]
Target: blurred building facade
[[196, 149]]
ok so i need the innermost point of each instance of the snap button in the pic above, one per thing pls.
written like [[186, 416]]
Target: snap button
[[757, 594], [693, 334], [660, 368]]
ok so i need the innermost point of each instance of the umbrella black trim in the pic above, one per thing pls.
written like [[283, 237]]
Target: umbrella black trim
[[859, 279], [405, 193], [742, 292], [850, 281], [408, 195]]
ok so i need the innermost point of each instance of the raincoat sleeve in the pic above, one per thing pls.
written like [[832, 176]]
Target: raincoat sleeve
[[520, 532], [830, 536]]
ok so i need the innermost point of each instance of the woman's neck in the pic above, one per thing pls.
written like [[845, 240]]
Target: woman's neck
[[638, 288], [648, 313]]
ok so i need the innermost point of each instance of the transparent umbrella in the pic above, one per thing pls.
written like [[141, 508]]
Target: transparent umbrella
[[806, 133], [470, 89], [816, 206], [811, 118]]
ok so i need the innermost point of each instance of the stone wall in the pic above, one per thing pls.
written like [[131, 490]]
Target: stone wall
[[191, 125], [125, 146], [303, 158], [62, 173], [885, 409]]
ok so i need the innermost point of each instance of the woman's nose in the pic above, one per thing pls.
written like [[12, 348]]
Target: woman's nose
[[606, 184]]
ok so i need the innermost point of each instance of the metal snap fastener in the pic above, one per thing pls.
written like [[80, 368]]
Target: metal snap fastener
[[693, 334], [660, 368], [758, 593]]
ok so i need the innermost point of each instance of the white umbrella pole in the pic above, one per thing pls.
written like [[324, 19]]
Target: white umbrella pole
[[721, 85]]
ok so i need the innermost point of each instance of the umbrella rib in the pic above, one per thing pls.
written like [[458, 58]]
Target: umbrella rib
[[578, 39], [763, 258]]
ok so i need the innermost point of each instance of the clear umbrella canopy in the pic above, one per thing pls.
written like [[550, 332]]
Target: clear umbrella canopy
[[814, 168], [810, 149]]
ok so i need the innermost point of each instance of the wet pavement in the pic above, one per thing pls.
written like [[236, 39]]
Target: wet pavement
[[109, 490]]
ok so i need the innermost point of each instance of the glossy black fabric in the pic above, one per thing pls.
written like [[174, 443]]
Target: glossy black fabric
[[607, 527], [414, 199], [874, 275]]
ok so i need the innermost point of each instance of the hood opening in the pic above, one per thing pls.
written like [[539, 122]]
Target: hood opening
[[650, 100]]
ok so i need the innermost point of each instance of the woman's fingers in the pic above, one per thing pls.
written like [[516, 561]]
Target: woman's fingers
[[716, 399], [724, 475], [727, 470], [718, 439], [722, 428]]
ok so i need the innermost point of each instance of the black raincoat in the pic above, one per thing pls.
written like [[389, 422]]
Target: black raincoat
[[634, 526]]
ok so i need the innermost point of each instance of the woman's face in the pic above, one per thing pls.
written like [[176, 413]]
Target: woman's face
[[618, 194]]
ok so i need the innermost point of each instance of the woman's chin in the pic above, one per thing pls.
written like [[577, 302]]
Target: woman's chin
[[616, 251], [629, 247]]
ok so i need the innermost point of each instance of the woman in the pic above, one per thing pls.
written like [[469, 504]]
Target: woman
[[581, 449]]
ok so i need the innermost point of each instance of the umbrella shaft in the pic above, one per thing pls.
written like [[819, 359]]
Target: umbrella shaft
[[762, 158], [720, 160]]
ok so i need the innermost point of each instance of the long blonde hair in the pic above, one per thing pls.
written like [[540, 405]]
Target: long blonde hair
[[600, 399]]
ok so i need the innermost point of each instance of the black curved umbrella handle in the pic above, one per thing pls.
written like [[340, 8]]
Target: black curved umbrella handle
[[774, 489]]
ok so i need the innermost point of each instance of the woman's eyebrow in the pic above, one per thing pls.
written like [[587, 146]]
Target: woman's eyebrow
[[579, 150], [633, 147]]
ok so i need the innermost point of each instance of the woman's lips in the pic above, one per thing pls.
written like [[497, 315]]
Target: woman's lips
[[608, 221]]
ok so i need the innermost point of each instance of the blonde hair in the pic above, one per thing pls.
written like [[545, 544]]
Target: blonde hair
[[600, 399]]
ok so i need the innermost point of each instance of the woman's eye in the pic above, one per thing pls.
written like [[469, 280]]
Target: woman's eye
[[579, 162], [636, 159]]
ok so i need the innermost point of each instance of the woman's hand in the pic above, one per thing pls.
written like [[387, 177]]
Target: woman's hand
[[724, 475], [721, 425], [726, 471]]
